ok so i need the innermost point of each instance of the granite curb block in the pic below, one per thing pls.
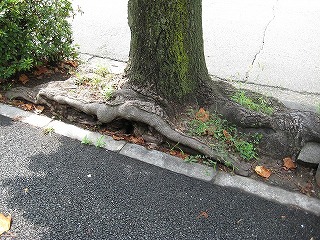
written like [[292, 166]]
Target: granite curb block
[[168, 162], [269, 192]]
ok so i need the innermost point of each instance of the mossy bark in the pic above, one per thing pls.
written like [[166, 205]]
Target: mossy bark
[[166, 52]]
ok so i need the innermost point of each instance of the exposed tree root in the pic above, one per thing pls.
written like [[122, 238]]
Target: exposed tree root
[[284, 133], [126, 104]]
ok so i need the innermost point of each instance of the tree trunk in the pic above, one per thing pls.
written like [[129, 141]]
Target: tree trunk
[[166, 52]]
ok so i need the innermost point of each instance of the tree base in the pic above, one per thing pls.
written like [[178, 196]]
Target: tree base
[[284, 132]]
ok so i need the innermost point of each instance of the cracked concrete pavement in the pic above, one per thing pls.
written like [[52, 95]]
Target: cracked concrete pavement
[[266, 46]]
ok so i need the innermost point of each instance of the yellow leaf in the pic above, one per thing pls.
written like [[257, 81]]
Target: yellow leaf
[[23, 78], [5, 223], [288, 164], [263, 171]]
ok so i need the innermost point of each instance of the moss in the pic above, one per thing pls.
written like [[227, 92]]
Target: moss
[[164, 46]]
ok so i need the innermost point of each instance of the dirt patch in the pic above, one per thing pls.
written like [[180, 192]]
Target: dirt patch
[[301, 179]]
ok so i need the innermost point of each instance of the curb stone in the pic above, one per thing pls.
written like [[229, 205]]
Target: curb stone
[[169, 162]]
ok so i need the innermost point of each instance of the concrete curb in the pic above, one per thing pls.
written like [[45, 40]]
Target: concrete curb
[[166, 161]]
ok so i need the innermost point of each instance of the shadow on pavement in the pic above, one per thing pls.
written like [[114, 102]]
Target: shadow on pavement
[[74, 191], [5, 121]]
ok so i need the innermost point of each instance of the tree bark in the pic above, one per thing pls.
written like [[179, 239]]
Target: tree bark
[[166, 52]]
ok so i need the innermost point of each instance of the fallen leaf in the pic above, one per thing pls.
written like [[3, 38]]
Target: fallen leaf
[[263, 171], [23, 79], [202, 115], [117, 138], [136, 140], [38, 109], [41, 70], [72, 63], [5, 223], [288, 164], [203, 214], [226, 134], [27, 106]]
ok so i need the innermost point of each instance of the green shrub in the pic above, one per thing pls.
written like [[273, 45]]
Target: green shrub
[[34, 32]]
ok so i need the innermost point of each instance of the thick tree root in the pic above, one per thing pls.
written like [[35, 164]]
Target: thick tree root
[[126, 104], [284, 132]]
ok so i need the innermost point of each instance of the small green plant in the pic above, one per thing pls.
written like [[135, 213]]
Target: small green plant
[[100, 143], [260, 105], [210, 163], [246, 150], [318, 109], [102, 71], [48, 131], [175, 147], [201, 159], [86, 140], [107, 92], [224, 137], [192, 159]]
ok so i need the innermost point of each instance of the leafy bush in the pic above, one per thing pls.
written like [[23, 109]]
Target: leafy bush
[[33, 32]]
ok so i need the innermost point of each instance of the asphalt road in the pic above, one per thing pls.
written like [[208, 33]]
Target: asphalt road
[[57, 188]]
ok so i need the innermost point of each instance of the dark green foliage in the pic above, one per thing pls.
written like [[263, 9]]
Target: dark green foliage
[[33, 32]]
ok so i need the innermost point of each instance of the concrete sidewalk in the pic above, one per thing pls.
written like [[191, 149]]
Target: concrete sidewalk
[[268, 46]]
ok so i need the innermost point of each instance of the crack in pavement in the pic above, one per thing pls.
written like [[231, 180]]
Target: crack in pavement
[[263, 40], [99, 56], [266, 85]]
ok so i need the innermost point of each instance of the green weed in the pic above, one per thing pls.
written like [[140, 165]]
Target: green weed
[[48, 131], [100, 143], [260, 105], [86, 140], [102, 71], [107, 92], [225, 137]]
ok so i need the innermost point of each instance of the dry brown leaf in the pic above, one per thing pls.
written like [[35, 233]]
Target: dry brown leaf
[[5, 223], [117, 138], [41, 70], [203, 214], [27, 106], [226, 134], [38, 109], [288, 164], [23, 79], [202, 115], [136, 140], [72, 63], [263, 171]]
